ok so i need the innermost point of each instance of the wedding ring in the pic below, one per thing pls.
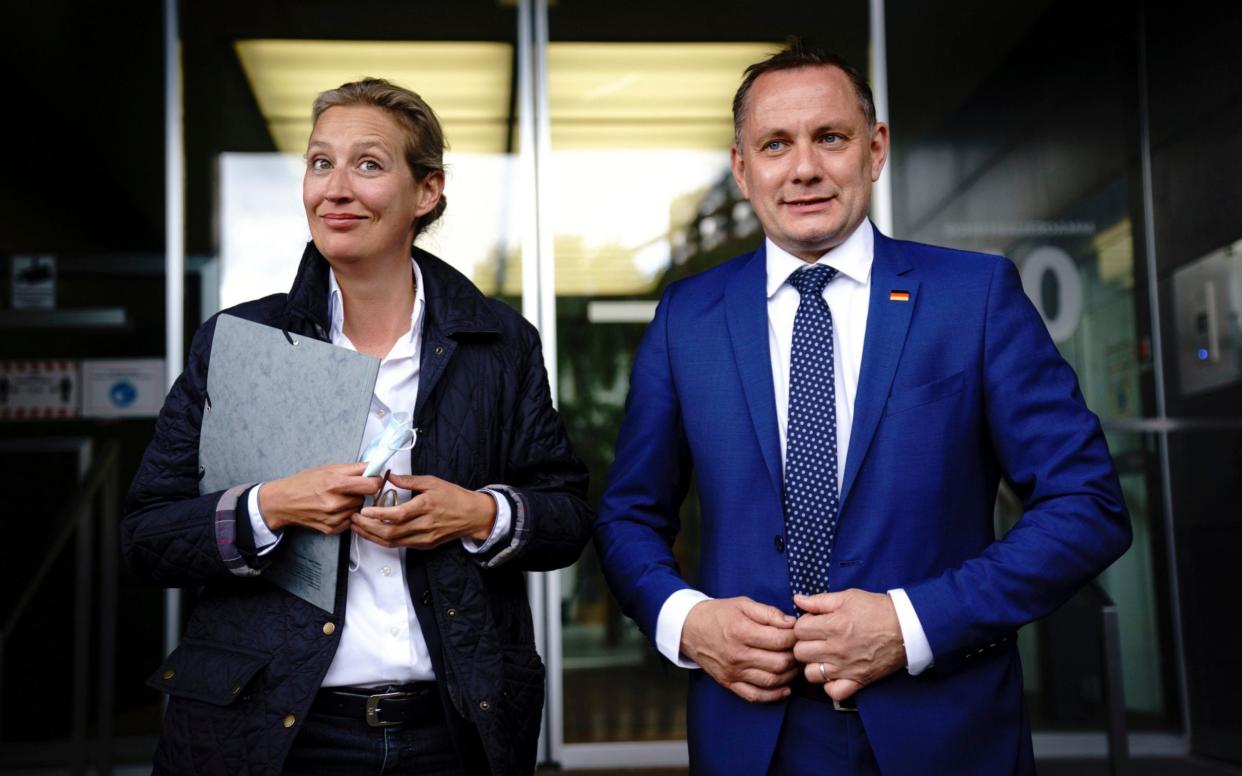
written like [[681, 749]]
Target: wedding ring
[[823, 672]]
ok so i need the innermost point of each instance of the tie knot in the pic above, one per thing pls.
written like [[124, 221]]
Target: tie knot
[[812, 280]]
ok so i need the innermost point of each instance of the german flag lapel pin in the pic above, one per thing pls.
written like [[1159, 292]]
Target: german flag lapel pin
[[897, 295]]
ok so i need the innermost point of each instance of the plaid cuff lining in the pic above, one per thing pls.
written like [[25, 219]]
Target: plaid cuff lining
[[226, 532]]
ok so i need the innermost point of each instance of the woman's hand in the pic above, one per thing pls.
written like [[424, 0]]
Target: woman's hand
[[439, 512], [322, 498]]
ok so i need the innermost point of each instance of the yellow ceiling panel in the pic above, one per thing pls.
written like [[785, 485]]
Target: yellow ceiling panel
[[601, 95], [467, 84]]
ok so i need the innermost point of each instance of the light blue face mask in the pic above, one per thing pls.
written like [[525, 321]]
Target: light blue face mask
[[397, 436]]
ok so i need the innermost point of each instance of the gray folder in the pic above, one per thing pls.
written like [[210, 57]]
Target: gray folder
[[280, 404]]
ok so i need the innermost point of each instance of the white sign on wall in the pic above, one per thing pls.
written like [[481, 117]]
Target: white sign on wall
[[38, 390], [122, 388], [34, 283]]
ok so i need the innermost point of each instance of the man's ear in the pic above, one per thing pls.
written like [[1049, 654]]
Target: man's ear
[[879, 149], [738, 162]]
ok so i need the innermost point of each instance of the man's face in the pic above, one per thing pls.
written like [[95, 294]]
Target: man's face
[[806, 160]]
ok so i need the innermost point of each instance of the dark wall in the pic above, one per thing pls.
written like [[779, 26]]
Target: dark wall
[[1196, 135], [83, 128]]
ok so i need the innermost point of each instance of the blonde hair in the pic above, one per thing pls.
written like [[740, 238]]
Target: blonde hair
[[424, 137]]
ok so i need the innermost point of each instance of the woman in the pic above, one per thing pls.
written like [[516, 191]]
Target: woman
[[428, 663]]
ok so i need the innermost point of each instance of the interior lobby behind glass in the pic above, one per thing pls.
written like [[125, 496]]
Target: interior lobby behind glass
[[1096, 146]]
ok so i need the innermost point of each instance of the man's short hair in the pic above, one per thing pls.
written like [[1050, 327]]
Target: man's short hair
[[794, 56]]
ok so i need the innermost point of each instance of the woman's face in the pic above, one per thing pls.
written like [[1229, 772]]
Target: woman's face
[[360, 196]]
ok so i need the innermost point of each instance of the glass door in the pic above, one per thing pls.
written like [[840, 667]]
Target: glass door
[[640, 193]]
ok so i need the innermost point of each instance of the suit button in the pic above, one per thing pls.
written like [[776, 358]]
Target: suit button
[[289, 720], [237, 690], [169, 674], [451, 612], [779, 543], [329, 628], [484, 705]]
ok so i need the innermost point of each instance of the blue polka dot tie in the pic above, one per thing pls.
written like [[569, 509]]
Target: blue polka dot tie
[[811, 441]]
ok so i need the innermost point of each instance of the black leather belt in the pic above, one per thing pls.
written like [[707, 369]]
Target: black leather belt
[[417, 703], [815, 692]]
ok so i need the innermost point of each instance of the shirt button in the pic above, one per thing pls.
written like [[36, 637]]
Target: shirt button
[[779, 543], [379, 413], [386, 570], [395, 631]]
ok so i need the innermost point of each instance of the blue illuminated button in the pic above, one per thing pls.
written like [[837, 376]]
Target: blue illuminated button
[[1203, 354]]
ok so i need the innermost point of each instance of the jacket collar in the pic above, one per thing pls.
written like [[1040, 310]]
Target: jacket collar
[[454, 304]]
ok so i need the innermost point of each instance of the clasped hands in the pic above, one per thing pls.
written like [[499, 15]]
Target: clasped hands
[[329, 499], [756, 650]]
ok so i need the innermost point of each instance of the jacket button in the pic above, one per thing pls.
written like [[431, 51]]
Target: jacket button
[[439, 350], [169, 673], [779, 543], [451, 612], [329, 628], [237, 690], [484, 705], [289, 720]]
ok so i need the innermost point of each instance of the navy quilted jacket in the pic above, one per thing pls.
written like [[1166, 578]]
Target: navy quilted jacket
[[253, 656]]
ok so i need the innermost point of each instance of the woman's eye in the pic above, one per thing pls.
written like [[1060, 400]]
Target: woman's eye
[[319, 163], [369, 165]]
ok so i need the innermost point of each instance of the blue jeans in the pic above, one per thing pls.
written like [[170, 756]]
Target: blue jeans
[[341, 746]]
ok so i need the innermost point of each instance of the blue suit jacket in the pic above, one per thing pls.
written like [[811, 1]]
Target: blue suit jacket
[[959, 386]]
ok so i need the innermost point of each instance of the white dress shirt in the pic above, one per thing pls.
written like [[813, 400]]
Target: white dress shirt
[[848, 296], [381, 642]]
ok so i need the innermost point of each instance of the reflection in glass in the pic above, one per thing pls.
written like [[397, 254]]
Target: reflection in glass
[[641, 195], [1029, 162]]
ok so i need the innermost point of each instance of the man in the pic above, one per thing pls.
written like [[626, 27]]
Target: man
[[848, 404]]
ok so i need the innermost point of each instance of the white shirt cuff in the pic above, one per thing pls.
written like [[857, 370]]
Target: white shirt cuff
[[670, 622], [504, 519], [264, 539], [918, 652]]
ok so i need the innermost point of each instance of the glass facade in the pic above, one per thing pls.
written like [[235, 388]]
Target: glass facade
[[1095, 146]]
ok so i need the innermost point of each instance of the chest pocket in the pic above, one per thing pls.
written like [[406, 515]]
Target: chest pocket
[[925, 393]]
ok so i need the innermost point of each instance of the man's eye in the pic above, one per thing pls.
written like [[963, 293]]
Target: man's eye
[[774, 145], [831, 137]]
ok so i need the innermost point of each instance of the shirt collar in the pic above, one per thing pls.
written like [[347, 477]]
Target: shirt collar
[[336, 310], [852, 258]]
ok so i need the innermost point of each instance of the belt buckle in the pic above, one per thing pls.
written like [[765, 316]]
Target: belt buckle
[[373, 707], [852, 705]]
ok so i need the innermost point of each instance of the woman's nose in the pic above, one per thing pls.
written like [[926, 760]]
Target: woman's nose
[[336, 187]]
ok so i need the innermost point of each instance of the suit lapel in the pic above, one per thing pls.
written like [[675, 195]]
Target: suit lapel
[[887, 324], [746, 314]]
